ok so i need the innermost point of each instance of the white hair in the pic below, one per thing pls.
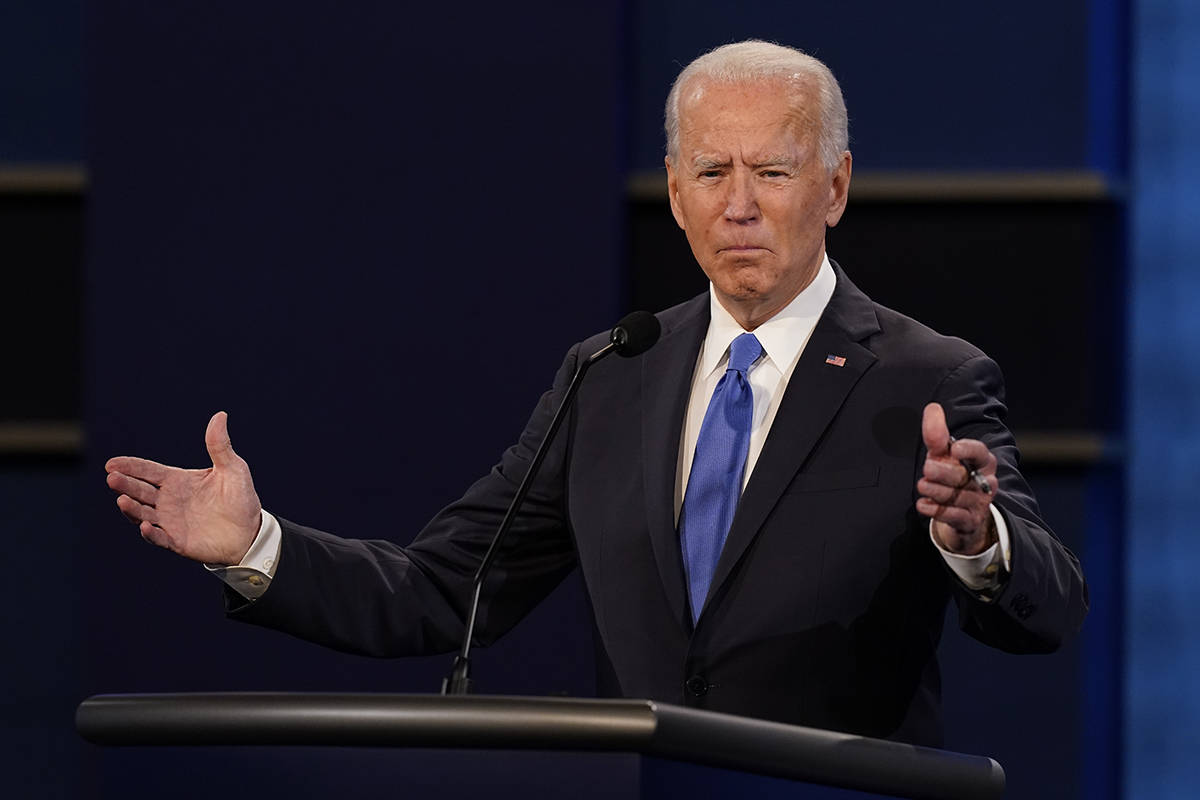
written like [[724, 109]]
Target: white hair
[[758, 61]]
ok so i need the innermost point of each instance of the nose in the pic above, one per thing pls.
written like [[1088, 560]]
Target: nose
[[741, 204]]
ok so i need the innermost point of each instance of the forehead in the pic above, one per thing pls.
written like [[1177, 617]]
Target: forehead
[[721, 114]]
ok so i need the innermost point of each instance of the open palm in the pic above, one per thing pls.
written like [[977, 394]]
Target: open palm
[[210, 515]]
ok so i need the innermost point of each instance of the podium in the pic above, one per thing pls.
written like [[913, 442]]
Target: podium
[[483, 746]]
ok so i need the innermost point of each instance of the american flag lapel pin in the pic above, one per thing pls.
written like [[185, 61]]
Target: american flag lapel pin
[[837, 361]]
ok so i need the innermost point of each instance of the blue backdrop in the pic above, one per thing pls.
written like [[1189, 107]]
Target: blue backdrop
[[296, 208], [1162, 648]]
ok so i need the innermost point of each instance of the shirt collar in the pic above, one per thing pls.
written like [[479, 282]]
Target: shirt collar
[[783, 336]]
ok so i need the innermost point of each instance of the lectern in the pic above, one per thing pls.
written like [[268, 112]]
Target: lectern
[[480, 746]]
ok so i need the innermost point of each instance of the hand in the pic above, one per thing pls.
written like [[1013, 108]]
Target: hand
[[210, 515], [962, 521]]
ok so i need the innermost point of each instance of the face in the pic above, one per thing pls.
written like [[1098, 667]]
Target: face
[[751, 193]]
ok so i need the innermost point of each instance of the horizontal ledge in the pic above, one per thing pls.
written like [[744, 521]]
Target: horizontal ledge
[[940, 186], [41, 438], [43, 178], [891, 186], [1068, 448], [1037, 446]]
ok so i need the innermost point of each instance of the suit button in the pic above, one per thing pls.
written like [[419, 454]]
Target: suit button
[[696, 685], [1022, 607]]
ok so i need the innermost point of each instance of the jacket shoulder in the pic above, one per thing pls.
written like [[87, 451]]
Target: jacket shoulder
[[903, 341]]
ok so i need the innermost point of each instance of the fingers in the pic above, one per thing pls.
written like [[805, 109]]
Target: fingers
[[939, 492], [137, 512], [974, 453], [955, 474], [965, 521], [155, 535], [964, 492], [947, 492], [934, 431], [947, 473], [216, 439], [149, 471], [954, 471], [141, 491], [941, 476], [146, 518]]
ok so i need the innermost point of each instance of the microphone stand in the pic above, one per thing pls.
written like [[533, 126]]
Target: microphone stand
[[624, 342]]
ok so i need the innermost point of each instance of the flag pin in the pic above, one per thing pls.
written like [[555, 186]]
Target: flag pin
[[837, 361]]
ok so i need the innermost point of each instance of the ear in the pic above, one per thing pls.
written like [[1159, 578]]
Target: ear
[[673, 193], [839, 190]]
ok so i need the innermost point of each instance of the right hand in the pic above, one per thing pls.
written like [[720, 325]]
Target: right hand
[[210, 515], [961, 514]]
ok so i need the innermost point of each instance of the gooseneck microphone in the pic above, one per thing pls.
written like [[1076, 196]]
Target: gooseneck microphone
[[633, 335]]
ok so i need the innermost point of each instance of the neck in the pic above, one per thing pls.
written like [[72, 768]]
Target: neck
[[751, 315], [753, 310]]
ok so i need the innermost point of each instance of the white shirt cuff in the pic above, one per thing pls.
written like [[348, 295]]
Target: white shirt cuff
[[251, 577], [981, 572]]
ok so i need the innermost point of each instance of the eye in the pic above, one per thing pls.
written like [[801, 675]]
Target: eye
[[710, 173], [774, 173]]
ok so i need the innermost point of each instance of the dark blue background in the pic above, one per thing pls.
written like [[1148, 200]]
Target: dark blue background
[[298, 210], [928, 84], [370, 237]]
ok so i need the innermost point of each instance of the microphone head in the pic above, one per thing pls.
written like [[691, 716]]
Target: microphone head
[[635, 333]]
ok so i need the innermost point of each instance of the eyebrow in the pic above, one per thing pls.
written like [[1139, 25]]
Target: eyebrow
[[707, 162], [780, 160], [773, 160]]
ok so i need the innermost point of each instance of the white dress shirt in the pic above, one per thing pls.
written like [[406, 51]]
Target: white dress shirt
[[783, 338]]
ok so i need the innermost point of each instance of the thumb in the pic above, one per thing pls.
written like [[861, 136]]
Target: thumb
[[216, 439], [934, 431]]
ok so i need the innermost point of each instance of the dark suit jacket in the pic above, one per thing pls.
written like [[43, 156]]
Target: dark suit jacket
[[827, 604]]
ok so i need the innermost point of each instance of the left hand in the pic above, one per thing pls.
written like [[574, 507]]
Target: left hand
[[962, 521]]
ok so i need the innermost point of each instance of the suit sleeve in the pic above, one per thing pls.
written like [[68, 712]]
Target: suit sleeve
[[376, 598], [1045, 597]]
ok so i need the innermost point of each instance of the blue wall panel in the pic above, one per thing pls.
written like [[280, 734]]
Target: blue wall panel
[[1162, 646]]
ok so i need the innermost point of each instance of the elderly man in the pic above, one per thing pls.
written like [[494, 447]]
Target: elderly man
[[770, 508]]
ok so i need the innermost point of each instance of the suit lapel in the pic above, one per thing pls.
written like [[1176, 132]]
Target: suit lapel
[[813, 396], [667, 370]]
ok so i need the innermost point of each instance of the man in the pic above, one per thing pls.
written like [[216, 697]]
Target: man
[[769, 509]]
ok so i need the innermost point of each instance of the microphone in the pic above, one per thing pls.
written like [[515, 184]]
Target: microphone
[[633, 335]]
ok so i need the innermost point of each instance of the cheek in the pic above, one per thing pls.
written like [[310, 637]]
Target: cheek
[[805, 216], [684, 210], [699, 220]]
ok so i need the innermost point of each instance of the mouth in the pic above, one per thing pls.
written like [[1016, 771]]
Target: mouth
[[742, 248]]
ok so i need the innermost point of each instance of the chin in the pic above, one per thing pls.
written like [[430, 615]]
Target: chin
[[746, 284]]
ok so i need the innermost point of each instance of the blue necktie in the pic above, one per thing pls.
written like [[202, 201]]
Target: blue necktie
[[715, 483]]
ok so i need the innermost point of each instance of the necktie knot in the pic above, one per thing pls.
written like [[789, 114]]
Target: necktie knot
[[744, 351]]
